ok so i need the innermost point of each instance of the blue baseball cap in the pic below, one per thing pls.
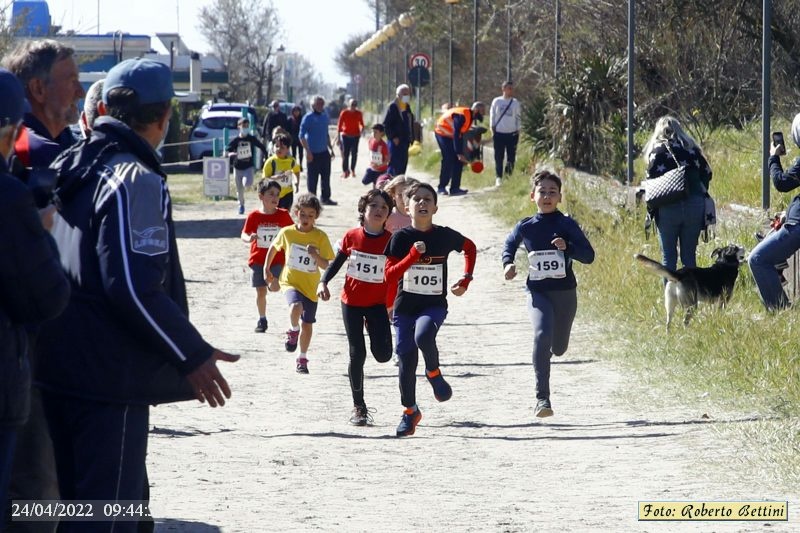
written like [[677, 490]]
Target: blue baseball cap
[[12, 104], [150, 80]]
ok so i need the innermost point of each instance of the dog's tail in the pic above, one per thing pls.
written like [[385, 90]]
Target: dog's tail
[[656, 267]]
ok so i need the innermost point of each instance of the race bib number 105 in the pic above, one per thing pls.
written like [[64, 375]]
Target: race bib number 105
[[546, 264], [424, 279]]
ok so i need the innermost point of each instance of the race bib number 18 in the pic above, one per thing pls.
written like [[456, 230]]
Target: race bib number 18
[[300, 260], [424, 279], [546, 264]]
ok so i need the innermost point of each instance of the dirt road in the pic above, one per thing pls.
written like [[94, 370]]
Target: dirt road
[[281, 455]]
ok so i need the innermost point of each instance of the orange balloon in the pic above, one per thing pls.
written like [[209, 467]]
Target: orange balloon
[[477, 167]]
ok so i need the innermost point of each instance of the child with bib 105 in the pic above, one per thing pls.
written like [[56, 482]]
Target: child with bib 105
[[260, 229], [378, 156], [307, 251], [282, 167], [553, 240], [364, 293], [416, 261]]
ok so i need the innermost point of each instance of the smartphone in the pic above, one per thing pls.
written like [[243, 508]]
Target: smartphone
[[777, 139]]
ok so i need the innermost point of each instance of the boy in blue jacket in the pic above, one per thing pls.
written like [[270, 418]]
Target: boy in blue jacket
[[552, 240]]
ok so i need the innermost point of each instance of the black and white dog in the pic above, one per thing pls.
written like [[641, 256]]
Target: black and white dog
[[688, 286]]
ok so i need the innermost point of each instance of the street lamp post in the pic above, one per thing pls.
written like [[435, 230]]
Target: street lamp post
[[450, 43], [475, 51]]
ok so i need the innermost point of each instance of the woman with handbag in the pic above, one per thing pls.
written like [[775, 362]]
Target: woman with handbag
[[678, 220]]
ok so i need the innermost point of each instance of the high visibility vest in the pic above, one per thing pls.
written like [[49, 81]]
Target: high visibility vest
[[444, 126]]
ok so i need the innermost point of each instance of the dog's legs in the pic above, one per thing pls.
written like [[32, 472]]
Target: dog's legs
[[670, 302], [689, 312]]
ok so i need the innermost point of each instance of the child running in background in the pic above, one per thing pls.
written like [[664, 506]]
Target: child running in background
[[552, 240], [378, 156], [281, 166], [364, 293], [396, 187], [417, 263], [307, 250], [260, 229], [241, 148]]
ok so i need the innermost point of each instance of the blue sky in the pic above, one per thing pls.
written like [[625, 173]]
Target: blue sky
[[314, 28]]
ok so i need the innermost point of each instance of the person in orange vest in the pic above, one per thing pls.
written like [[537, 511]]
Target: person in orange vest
[[450, 130]]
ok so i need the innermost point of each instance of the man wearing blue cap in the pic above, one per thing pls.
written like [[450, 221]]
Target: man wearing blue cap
[[33, 285], [125, 340]]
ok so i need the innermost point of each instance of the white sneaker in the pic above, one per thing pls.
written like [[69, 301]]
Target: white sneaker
[[498, 182]]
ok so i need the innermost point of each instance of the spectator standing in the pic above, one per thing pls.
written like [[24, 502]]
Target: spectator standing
[[274, 118], [33, 286], [450, 130], [49, 74], [681, 222], [505, 119], [398, 122], [349, 128], [317, 143], [117, 242], [92, 108], [294, 130]]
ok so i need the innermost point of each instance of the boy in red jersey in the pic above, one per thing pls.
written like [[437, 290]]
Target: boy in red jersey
[[378, 156], [260, 228], [364, 293]]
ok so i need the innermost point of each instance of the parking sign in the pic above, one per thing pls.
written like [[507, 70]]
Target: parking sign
[[216, 181]]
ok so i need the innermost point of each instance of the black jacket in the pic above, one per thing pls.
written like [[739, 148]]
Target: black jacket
[[399, 124], [33, 288], [271, 121], [125, 335]]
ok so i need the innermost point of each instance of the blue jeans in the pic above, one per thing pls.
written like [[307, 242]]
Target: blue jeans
[[319, 169], [773, 250], [680, 222], [450, 172], [505, 146], [398, 157]]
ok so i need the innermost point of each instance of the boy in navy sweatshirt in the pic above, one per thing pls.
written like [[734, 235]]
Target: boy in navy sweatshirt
[[552, 240]]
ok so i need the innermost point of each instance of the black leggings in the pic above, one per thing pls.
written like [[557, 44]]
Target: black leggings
[[380, 342], [349, 153]]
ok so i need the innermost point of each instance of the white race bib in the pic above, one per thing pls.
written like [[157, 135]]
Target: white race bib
[[243, 151], [366, 267], [300, 260], [546, 264], [424, 279], [266, 234], [376, 158], [284, 178]]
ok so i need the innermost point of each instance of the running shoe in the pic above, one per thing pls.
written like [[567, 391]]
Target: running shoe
[[241, 209], [498, 182], [291, 340], [441, 389], [458, 192], [543, 409], [408, 424], [442, 191], [361, 416], [329, 202], [262, 325], [302, 366]]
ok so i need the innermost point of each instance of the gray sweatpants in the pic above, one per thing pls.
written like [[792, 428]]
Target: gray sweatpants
[[552, 314], [243, 179]]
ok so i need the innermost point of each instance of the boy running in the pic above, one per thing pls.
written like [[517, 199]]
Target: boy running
[[307, 250], [241, 149], [280, 166], [364, 293], [378, 156], [260, 229], [552, 241], [417, 263]]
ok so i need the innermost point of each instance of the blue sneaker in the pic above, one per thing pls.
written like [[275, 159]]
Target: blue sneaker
[[408, 424], [441, 389], [241, 209]]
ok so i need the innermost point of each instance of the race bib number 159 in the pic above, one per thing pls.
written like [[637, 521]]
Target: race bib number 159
[[547, 264]]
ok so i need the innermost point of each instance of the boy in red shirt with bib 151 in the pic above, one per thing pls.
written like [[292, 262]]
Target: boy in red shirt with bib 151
[[378, 156], [260, 229]]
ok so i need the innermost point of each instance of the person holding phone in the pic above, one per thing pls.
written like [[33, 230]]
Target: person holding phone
[[781, 244]]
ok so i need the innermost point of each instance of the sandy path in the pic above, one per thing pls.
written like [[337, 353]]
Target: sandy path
[[281, 455]]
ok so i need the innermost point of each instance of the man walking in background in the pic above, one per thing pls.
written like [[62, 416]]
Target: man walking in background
[[317, 142], [398, 124], [505, 119]]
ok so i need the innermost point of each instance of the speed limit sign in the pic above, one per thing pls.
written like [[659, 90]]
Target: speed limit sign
[[419, 60]]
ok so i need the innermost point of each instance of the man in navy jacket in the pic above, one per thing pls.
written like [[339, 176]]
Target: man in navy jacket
[[125, 340]]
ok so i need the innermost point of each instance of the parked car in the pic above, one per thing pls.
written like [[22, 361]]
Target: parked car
[[213, 119]]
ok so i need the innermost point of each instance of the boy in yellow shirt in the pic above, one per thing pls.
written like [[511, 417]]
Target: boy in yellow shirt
[[307, 251], [280, 167]]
